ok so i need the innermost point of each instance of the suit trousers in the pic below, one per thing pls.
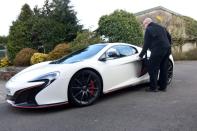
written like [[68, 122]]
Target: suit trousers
[[159, 62]]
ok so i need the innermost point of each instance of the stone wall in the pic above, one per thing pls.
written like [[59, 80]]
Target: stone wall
[[175, 25], [188, 46], [7, 72], [185, 47]]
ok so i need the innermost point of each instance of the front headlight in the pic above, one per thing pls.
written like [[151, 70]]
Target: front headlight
[[47, 78]]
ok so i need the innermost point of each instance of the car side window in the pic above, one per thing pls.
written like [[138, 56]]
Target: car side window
[[126, 50], [120, 51], [112, 53]]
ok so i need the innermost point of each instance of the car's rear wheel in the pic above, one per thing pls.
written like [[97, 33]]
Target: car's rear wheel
[[84, 88], [170, 72]]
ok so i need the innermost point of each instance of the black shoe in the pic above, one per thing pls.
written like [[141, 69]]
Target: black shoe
[[162, 89], [151, 90]]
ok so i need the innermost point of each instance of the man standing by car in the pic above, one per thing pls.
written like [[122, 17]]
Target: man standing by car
[[158, 41]]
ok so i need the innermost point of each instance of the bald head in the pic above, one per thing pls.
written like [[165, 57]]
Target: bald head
[[147, 21]]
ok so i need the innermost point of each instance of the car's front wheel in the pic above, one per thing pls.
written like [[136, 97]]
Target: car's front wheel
[[84, 88]]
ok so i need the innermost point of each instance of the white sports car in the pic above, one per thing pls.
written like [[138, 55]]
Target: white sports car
[[79, 78]]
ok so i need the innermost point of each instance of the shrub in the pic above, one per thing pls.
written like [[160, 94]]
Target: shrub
[[4, 62], [23, 57], [38, 57], [59, 51]]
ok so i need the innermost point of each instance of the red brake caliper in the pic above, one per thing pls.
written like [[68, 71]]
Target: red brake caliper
[[91, 88]]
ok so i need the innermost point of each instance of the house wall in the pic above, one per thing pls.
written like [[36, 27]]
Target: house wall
[[174, 24], [185, 47]]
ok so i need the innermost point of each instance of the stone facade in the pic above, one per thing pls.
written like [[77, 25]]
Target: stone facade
[[174, 23], [171, 20]]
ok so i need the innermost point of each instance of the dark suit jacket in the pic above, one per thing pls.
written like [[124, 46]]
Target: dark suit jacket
[[156, 39]]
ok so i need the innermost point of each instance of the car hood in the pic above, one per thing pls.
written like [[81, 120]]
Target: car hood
[[43, 68], [35, 71]]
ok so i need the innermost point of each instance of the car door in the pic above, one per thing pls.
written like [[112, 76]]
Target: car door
[[121, 67]]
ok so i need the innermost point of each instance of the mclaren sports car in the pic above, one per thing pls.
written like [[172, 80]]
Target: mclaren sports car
[[80, 77]]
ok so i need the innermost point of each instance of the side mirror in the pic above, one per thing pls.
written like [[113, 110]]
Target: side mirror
[[102, 59]]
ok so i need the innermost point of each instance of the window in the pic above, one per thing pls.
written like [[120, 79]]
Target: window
[[118, 51], [80, 55], [125, 50], [122, 51]]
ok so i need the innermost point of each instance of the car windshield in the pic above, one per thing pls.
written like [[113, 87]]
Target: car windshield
[[80, 55]]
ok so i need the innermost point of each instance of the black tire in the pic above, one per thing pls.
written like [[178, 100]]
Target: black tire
[[84, 88], [170, 72]]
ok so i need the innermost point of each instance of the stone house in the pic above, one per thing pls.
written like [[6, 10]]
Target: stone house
[[175, 24]]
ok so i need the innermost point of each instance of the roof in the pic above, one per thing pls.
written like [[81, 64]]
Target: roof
[[117, 43], [157, 8]]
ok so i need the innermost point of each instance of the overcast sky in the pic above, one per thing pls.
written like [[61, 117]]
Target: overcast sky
[[89, 11]]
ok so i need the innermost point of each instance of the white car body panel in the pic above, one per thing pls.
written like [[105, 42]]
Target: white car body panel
[[116, 73]]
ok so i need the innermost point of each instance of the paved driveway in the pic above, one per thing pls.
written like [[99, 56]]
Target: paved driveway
[[2, 91], [130, 109]]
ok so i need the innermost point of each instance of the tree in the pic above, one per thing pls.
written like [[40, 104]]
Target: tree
[[26, 13], [20, 32], [46, 9], [63, 13], [3, 40], [48, 32], [120, 26], [56, 22], [48, 26]]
